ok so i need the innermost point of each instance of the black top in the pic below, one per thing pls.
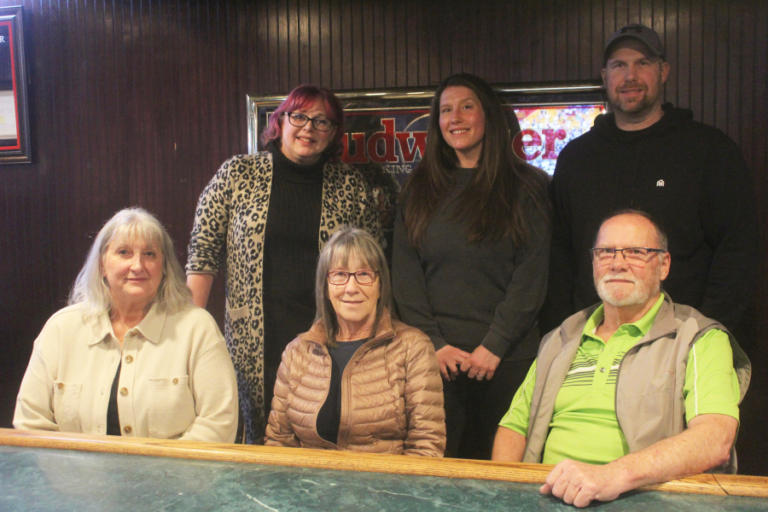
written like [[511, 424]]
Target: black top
[[290, 257], [330, 413], [691, 178], [470, 293], [113, 417]]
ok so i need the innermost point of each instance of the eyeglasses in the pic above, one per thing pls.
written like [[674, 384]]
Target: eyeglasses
[[635, 255], [363, 277], [298, 120]]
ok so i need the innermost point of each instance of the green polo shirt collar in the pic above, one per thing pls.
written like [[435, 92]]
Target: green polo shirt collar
[[636, 329]]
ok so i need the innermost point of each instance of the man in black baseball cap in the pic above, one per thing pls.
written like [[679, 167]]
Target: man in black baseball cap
[[634, 73]]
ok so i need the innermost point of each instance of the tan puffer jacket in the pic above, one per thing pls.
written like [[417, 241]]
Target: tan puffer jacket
[[391, 391]]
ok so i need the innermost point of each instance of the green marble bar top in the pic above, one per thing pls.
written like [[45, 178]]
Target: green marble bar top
[[39, 479]]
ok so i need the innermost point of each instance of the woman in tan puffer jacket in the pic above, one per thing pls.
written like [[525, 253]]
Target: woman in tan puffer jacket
[[375, 386]]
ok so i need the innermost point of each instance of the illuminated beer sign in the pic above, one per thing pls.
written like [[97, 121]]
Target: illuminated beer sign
[[389, 129], [545, 130], [397, 143]]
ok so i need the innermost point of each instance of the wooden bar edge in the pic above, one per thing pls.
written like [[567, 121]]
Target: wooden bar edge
[[740, 485]]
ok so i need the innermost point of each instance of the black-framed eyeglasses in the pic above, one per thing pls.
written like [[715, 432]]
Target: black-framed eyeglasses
[[635, 255], [319, 123], [363, 277]]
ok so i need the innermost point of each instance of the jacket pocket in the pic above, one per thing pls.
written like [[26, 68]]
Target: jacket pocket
[[238, 313], [237, 330], [66, 406], [171, 407]]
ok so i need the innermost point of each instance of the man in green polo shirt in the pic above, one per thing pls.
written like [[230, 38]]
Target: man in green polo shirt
[[633, 391]]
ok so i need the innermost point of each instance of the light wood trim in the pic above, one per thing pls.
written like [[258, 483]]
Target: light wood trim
[[743, 485], [353, 461]]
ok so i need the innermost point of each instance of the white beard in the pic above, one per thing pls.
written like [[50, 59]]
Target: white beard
[[639, 294]]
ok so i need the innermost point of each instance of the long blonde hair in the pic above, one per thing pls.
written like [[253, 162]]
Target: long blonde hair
[[90, 289]]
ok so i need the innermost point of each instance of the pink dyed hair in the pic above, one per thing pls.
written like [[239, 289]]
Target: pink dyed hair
[[301, 97]]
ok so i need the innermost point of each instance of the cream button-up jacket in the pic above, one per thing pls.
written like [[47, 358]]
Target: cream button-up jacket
[[176, 379]]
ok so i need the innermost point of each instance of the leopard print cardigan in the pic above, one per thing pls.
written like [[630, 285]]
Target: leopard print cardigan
[[230, 222]]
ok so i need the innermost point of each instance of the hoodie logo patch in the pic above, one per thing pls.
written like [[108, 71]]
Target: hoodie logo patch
[[660, 183]]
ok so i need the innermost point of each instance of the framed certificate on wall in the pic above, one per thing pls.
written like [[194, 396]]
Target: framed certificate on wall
[[14, 120]]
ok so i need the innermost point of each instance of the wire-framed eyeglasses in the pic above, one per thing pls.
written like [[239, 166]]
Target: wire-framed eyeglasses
[[319, 123], [363, 277], [634, 255]]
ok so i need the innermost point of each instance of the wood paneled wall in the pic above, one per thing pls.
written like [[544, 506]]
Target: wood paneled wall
[[137, 102]]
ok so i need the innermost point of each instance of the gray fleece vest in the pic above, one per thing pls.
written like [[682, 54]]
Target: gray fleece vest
[[649, 386]]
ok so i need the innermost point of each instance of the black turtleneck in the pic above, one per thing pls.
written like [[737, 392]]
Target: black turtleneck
[[290, 257]]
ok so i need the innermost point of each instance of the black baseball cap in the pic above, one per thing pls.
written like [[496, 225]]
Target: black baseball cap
[[638, 32]]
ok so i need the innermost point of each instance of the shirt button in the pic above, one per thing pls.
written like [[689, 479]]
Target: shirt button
[[123, 391], [127, 429], [129, 359], [60, 385], [602, 369], [175, 380]]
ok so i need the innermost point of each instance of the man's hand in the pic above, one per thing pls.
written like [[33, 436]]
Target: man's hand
[[481, 364], [450, 358], [578, 483], [705, 444]]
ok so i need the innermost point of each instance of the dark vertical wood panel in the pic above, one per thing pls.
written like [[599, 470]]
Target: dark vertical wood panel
[[723, 65], [596, 39], [345, 49], [735, 71], [560, 47], [533, 26], [572, 40], [138, 102], [357, 45], [516, 53], [709, 62], [610, 23], [307, 42], [282, 63], [389, 60], [271, 47], [413, 36], [747, 74], [548, 32], [336, 61], [324, 45], [682, 57], [430, 74], [586, 51], [445, 48], [696, 92], [668, 19], [368, 16]]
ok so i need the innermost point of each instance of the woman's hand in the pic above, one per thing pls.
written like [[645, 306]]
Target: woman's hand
[[481, 364], [450, 359]]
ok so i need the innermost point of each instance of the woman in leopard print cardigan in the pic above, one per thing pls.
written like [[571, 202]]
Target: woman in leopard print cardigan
[[267, 215]]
